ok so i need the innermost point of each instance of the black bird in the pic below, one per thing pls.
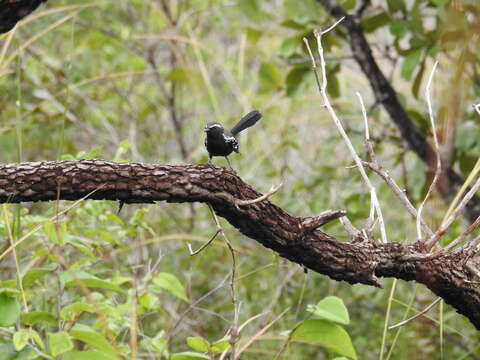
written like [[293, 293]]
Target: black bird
[[221, 142]]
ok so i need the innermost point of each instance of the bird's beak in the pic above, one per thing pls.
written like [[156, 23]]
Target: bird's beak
[[205, 130]]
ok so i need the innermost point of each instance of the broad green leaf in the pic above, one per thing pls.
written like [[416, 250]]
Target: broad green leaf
[[189, 355], [20, 339], [198, 344], [169, 283], [94, 339], [34, 274], [331, 308], [90, 281], [270, 77], [220, 346], [72, 311], [87, 355], [325, 333], [9, 310], [35, 317], [59, 343], [410, 62], [148, 301]]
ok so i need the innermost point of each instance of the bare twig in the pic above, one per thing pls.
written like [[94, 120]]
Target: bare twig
[[270, 192], [234, 327], [199, 250], [313, 222], [463, 235], [454, 215], [322, 87], [399, 193], [416, 315], [437, 151]]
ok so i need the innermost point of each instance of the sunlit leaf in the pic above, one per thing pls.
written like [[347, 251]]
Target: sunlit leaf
[[34, 274], [94, 339], [325, 333], [81, 277], [198, 344], [169, 283], [35, 317], [59, 343], [331, 308], [9, 310]]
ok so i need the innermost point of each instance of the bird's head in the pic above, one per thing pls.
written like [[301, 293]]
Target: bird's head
[[214, 128]]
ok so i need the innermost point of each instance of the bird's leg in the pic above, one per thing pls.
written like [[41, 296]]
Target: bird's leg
[[229, 165], [210, 159]]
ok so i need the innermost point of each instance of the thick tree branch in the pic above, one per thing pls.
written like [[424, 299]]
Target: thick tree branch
[[12, 11], [386, 95], [448, 275]]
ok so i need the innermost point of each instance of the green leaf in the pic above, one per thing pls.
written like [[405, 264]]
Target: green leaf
[[88, 280], [295, 78], [20, 339], [253, 35], [55, 231], [189, 355], [331, 308], [348, 4], [72, 311], [148, 301], [34, 274], [59, 343], [87, 355], [374, 22], [198, 344], [290, 45], [220, 346], [270, 77], [325, 333], [418, 78], [9, 310], [395, 5], [410, 62], [93, 339], [398, 28], [35, 317], [169, 283]]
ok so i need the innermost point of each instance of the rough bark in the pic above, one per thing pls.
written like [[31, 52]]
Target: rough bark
[[361, 261], [12, 11], [386, 95]]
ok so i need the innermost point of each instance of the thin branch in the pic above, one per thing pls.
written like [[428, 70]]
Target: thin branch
[[199, 250], [463, 235], [455, 214], [437, 152], [399, 193], [416, 315], [234, 328], [322, 88], [270, 192]]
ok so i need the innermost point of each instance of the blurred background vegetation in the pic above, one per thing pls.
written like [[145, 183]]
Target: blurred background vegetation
[[136, 81]]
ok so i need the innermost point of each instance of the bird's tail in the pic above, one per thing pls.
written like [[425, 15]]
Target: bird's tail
[[245, 122]]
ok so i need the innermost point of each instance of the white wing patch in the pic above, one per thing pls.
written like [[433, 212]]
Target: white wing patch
[[232, 141]]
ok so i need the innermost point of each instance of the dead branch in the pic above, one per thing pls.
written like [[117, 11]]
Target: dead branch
[[446, 274]]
